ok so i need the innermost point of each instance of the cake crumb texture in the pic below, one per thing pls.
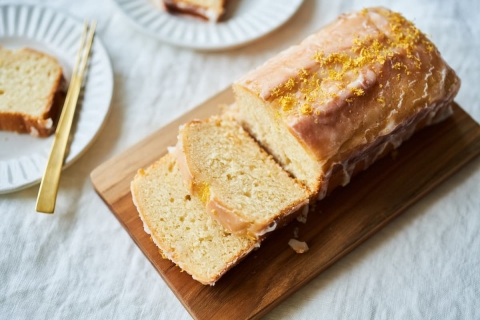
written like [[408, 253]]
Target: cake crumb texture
[[30, 91], [179, 226]]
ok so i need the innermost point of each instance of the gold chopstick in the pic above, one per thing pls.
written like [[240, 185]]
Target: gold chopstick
[[47, 194]]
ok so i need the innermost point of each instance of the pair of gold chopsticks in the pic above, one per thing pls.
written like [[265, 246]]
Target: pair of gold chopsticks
[[47, 194]]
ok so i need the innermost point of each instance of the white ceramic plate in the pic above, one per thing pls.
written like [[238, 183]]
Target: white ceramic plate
[[244, 21], [23, 157]]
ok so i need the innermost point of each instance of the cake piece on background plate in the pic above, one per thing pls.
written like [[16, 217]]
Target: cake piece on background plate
[[211, 10]]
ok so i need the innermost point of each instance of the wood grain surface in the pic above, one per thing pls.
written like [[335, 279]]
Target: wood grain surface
[[338, 224]]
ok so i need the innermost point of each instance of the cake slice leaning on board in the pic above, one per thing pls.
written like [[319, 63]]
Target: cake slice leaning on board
[[345, 96], [179, 226], [240, 184]]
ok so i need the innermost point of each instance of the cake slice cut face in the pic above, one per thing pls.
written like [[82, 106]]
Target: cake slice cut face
[[345, 95], [239, 183], [30, 91], [180, 227]]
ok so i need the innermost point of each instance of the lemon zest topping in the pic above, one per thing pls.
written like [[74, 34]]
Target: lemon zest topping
[[203, 191], [306, 109], [302, 94], [358, 91]]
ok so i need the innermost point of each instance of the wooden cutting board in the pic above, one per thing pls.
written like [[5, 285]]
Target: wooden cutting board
[[338, 224]]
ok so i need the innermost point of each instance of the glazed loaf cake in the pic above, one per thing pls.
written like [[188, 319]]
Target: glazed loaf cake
[[346, 95], [325, 109], [31, 92], [239, 183], [180, 227]]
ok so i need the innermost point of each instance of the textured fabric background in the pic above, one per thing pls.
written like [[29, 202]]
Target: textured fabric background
[[81, 264]]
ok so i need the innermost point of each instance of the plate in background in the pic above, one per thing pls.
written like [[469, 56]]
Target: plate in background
[[244, 21], [23, 157]]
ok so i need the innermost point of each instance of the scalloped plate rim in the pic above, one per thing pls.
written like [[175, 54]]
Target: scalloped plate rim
[[107, 75], [296, 4]]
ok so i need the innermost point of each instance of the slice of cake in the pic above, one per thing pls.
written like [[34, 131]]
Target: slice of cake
[[345, 96], [210, 10], [30, 92], [238, 182], [179, 226]]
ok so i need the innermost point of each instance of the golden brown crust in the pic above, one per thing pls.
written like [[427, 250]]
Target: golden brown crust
[[24, 123]]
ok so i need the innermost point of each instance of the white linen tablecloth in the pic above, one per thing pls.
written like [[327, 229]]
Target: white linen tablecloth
[[81, 264]]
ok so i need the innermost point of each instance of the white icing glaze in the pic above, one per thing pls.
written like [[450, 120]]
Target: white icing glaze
[[34, 132], [178, 153], [298, 246], [370, 153], [391, 94], [235, 224], [47, 123], [302, 217], [295, 232]]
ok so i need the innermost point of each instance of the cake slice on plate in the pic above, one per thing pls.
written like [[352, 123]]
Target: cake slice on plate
[[210, 10], [238, 182], [31, 93]]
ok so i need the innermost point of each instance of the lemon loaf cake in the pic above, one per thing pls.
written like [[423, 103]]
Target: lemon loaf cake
[[345, 96], [179, 226], [210, 10], [238, 182], [30, 91]]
